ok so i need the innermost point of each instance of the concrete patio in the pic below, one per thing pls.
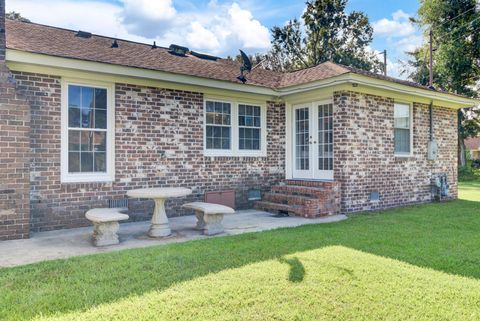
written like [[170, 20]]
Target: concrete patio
[[73, 242]]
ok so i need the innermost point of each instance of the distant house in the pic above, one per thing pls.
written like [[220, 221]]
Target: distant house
[[473, 145], [84, 118]]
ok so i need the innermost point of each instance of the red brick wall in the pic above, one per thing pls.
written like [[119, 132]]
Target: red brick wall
[[14, 160], [14, 151], [150, 122], [364, 152]]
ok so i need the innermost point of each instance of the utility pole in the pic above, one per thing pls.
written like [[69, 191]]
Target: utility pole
[[430, 69], [385, 62]]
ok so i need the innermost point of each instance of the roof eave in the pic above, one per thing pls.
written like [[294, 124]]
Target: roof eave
[[24, 57], [362, 80]]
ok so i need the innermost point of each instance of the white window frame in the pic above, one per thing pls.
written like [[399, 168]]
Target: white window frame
[[410, 109], [109, 175], [234, 150]]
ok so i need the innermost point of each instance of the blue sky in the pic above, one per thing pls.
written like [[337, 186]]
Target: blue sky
[[219, 27]]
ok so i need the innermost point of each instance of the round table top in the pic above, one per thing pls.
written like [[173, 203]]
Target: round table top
[[159, 192]]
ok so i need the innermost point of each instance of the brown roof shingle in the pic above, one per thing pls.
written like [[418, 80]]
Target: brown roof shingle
[[53, 41]]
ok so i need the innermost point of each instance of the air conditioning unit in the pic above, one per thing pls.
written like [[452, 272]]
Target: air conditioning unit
[[440, 187]]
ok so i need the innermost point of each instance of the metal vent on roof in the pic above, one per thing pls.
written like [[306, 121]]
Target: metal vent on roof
[[114, 44], [84, 34], [203, 56], [178, 50]]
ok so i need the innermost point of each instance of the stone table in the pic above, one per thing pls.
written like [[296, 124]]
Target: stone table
[[160, 226]]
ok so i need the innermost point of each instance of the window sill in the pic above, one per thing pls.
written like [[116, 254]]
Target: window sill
[[87, 178], [220, 153], [403, 158]]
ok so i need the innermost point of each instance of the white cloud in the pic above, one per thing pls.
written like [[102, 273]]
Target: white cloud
[[200, 37], [219, 29], [399, 26], [409, 43]]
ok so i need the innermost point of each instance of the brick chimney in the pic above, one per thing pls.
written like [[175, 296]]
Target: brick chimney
[[14, 151]]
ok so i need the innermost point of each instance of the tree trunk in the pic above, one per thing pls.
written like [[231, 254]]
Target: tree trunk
[[462, 157]]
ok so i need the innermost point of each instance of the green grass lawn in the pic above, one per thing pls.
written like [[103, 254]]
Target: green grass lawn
[[415, 263]]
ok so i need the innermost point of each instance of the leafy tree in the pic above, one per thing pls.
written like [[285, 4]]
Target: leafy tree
[[16, 16], [455, 25], [325, 33]]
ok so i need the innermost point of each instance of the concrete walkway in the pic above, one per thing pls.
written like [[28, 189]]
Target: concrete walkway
[[73, 242]]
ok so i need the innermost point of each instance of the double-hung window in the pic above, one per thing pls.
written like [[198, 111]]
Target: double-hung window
[[249, 127], [218, 125], [87, 133], [402, 129], [234, 128]]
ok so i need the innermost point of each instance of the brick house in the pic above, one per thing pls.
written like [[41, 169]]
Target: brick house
[[84, 118], [473, 145]]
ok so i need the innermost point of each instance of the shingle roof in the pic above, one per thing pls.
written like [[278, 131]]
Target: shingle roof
[[473, 143], [53, 41]]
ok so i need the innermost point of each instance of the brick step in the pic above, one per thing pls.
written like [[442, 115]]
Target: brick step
[[318, 184], [290, 199], [314, 192], [275, 207]]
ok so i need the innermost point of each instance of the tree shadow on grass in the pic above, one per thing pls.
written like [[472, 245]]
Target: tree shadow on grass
[[297, 271], [442, 236]]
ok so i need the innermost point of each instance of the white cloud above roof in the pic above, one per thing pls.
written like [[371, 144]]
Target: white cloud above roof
[[220, 29], [398, 26]]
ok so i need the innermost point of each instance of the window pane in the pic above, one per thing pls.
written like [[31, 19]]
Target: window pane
[[101, 118], [86, 141], [209, 143], [210, 106], [73, 140], [226, 132], [100, 141], [74, 96], [74, 117], [401, 111], [73, 162], [249, 127], [402, 128], [87, 97], [87, 117], [100, 98], [402, 141], [210, 119], [99, 162], [86, 161]]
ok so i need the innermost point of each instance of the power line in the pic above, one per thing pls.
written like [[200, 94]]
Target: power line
[[459, 15]]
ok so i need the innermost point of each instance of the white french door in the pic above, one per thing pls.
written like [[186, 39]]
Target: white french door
[[313, 140]]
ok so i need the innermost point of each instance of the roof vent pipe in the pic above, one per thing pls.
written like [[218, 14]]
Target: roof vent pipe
[[154, 46], [114, 44]]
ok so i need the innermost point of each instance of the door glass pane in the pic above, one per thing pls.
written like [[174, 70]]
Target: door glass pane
[[325, 137], [302, 132]]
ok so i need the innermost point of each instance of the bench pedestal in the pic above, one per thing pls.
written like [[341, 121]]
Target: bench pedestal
[[211, 224], [209, 216], [105, 224], [105, 233]]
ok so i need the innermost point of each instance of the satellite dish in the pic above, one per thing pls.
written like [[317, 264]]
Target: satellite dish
[[246, 66]]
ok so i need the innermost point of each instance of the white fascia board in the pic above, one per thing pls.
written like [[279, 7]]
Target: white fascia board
[[112, 69], [23, 57]]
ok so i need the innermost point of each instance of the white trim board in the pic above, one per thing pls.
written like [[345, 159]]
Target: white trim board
[[26, 61]]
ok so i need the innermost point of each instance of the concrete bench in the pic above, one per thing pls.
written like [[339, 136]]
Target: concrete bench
[[105, 222], [209, 216]]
